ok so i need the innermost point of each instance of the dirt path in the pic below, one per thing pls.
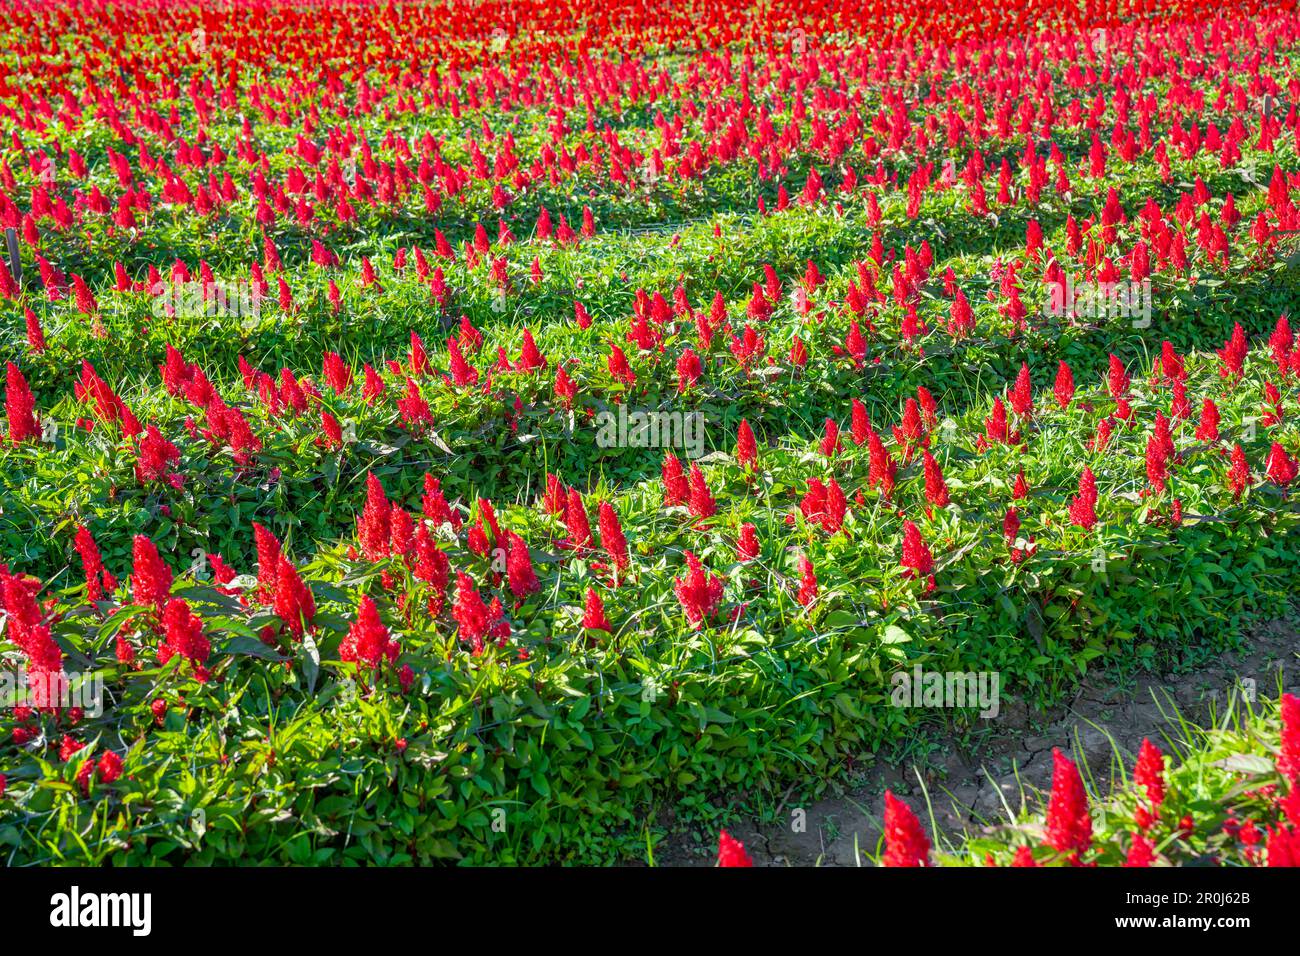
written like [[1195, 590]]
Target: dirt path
[[967, 787]]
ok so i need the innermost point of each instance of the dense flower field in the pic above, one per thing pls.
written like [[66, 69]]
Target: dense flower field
[[452, 431]]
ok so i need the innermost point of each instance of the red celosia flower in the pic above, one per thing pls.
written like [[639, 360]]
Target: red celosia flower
[[688, 370], [151, 579], [432, 567], [807, 582], [1238, 472], [368, 643], [836, 506], [1208, 429], [747, 547], [1157, 462], [19, 403], [435, 507], [332, 429], [830, 445], [98, 580], [698, 592], [1068, 823], [611, 536], [156, 456], [1149, 772], [1233, 353], [882, 467], [1020, 488], [700, 503], [1117, 380], [1022, 394], [519, 567], [1064, 387], [373, 528], [575, 519], [936, 490], [1280, 342], [1288, 757], [184, 634], [293, 602], [1024, 857], [746, 448], [268, 560], [674, 480], [905, 841], [731, 852], [860, 425], [916, 554], [35, 334], [1083, 509], [593, 615], [470, 612], [336, 373], [1011, 526], [1280, 467], [1141, 852], [995, 426]]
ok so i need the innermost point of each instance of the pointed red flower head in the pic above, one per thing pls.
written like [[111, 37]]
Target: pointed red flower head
[[731, 852], [916, 554], [151, 579], [470, 612], [861, 423], [184, 635], [698, 592], [1083, 509], [519, 567], [293, 603], [373, 528], [1117, 379], [882, 468], [830, 445], [1022, 394], [746, 447], [1141, 852], [905, 841], [368, 642], [1281, 468], [611, 536], [1283, 846], [593, 615], [1020, 488], [1288, 758], [1233, 353], [1063, 390], [674, 480], [700, 503], [1024, 857], [936, 489], [1068, 823], [689, 369], [1157, 462], [807, 582], [575, 519], [747, 547], [98, 580], [1149, 772], [431, 566], [995, 426], [1238, 472], [1208, 429], [19, 403]]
